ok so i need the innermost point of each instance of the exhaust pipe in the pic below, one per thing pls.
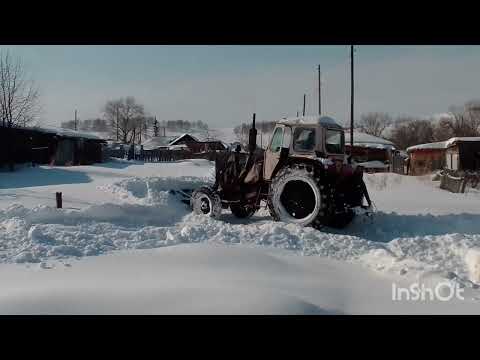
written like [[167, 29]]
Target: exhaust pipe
[[252, 137]]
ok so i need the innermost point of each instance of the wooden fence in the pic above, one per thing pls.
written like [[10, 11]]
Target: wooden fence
[[452, 184], [152, 156], [397, 165], [459, 181]]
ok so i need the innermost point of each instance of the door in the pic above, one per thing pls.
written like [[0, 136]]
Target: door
[[272, 154]]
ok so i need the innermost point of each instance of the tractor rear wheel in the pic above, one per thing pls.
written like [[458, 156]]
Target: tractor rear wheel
[[296, 197]]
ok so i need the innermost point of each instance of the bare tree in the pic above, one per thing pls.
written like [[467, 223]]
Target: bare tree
[[374, 123], [123, 115], [410, 131], [463, 121], [19, 97]]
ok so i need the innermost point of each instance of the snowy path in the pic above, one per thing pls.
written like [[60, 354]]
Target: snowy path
[[420, 233], [205, 279]]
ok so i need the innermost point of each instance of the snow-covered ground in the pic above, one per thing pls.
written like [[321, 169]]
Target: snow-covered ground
[[124, 243]]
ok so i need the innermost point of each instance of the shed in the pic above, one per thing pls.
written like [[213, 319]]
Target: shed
[[426, 158], [463, 153], [70, 147], [42, 145]]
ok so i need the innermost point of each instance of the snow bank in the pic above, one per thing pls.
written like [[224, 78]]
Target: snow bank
[[472, 260], [45, 233], [148, 214]]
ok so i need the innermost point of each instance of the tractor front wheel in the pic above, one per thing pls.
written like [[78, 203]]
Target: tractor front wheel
[[205, 201]]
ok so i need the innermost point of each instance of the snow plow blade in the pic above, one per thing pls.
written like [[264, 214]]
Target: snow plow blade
[[364, 214], [183, 195]]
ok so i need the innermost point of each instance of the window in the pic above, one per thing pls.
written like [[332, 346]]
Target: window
[[277, 140], [304, 139], [334, 142]]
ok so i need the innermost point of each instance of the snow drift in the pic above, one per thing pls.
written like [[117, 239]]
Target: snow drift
[[148, 214]]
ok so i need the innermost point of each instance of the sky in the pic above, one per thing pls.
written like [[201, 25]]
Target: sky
[[224, 85]]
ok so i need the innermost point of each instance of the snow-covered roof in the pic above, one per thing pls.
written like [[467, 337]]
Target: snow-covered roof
[[311, 120], [159, 141], [429, 146], [366, 140], [442, 144], [454, 140], [178, 138], [177, 147], [66, 132]]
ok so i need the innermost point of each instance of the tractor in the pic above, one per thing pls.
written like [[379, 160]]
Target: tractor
[[303, 176]]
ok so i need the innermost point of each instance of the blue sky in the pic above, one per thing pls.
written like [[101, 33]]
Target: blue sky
[[223, 85]]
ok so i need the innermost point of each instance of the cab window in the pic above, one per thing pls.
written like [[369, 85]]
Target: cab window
[[277, 140], [304, 139], [334, 141]]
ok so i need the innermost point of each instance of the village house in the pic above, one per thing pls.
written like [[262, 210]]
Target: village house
[[183, 142], [458, 153]]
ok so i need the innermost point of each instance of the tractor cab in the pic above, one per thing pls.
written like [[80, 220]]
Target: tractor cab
[[308, 137]]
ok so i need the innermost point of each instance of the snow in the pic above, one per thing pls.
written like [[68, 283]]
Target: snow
[[124, 243], [367, 140], [454, 140], [472, 259], [429, 146], [311, 119], [373, 165], [67, 132], [441, 144], [159, 141]]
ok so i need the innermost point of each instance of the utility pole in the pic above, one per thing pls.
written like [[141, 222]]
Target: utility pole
[[319, 91], [75, 120], [117, 123], [304, 98], [351, 91], [140, 132], [297, 113]]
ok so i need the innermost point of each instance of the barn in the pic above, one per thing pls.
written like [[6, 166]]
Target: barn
[[41, 145]]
